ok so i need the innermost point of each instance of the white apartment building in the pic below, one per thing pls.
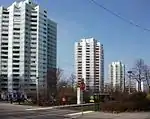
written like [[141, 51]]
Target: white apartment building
[[89, 63], [117, 75], [144, 86], [27, 46]]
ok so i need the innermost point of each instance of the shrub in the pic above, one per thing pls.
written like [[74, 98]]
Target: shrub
[[148, 97], [132, 102], [139, 96], [113, 106]]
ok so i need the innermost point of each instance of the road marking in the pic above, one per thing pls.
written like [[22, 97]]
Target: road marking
[[79, 113], [61, 106], [42, 108]]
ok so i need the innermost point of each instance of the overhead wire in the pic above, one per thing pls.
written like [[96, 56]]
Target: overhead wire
[[119, 16]]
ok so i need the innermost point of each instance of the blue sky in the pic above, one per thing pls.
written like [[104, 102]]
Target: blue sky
[[81, 19]]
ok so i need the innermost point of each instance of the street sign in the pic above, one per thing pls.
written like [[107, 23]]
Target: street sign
[[82, 86]]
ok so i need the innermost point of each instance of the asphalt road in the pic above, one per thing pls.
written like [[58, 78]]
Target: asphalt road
[[11, 111]]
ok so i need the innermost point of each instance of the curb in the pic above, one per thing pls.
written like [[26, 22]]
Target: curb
[[56, 107], [77, 115]]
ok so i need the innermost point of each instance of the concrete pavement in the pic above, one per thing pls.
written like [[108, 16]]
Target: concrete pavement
[[102, 115], [11, 111]]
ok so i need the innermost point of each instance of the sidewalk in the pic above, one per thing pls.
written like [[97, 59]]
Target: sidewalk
[[102, 115]]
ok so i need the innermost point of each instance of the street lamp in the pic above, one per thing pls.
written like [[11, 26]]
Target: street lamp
[[130, 73]]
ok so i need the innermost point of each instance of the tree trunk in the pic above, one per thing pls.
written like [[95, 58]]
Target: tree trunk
[[139, 86], [148, 89]]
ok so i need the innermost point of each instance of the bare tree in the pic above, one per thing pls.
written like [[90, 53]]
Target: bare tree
[[72, 80], [62, 84], [54, 75], [61, 80], [59, 74], [138, 72], [141, 72], [147, 76]]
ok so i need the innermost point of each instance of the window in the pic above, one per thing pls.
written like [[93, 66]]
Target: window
[[33, 33], [15, 33], [5, 30], [44, 32], [33, 56], [33, 61], [33, 20], [15, 70], [4, 57], [33, 25], [16, 47], [17, 29], [87, 61], [27, 14], [33, 39], [17, 15], [14, 56], [4, 43], [33, 42], [4, 25], [4, 34], [32, 85], [5, 21], [5, 53], [34, 16], [4, 48], [5, 12], [15, 42], [15, 75], [16, 37], [15, 61], [5, 16], [33, 29]]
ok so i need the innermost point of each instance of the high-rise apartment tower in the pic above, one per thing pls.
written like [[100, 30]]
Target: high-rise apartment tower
[[27, 46], [117, 75], [89, 63]]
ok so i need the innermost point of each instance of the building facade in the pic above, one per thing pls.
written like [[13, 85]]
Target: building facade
[[28, 46], [143, 86], [117, 75], [89, 63]]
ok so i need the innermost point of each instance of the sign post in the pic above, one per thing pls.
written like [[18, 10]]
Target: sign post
[[82, 88], [78, 96]]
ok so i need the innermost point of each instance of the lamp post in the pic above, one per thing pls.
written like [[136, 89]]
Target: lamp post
[[37, 90], [63, 95], [130, 73]]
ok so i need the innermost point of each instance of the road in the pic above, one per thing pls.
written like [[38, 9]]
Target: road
[[11, 111]]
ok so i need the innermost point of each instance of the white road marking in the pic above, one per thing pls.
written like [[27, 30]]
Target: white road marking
[[54, 107], [42, 108], [79, 113]]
